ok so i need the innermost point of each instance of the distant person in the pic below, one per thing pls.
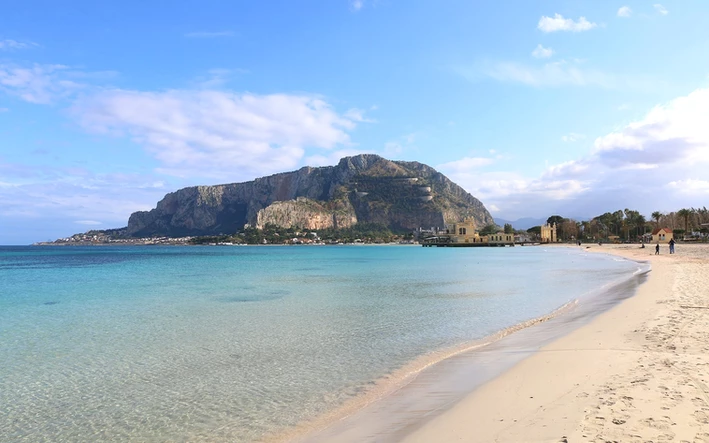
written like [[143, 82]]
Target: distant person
[[657, 249], [672, 246]]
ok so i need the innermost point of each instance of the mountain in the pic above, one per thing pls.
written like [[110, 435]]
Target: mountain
[[361, 189]]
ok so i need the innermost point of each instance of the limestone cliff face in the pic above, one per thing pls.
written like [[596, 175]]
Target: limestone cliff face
[[363, 188], [307, 214]]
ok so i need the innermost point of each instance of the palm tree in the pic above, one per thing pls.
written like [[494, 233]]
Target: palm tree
[[604, 222], [585, 229], [685, 213], [640, 223], [618, 221], [657, 215], [703, 215]]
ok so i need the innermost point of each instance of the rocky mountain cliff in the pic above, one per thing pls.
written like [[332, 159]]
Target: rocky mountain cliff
[[364, 188]]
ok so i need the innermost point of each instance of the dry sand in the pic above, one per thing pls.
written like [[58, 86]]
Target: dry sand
[[637, 373]]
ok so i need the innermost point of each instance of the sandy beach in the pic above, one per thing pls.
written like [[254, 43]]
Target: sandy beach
[[636, 373]]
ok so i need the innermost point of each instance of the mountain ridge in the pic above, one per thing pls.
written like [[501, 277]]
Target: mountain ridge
[[401, 195]]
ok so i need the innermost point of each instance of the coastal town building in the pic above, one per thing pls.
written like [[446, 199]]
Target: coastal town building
[[662, 235], [464, 234], [548, 233], [500, 238]]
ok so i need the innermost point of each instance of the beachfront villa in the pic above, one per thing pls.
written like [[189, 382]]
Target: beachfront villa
[[662, 235], [548, 233], [464, 234]]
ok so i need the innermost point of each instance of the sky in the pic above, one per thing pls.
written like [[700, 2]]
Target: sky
[[574, 107]]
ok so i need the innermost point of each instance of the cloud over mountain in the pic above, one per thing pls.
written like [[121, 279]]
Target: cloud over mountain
[[218, 134], [636, 166]]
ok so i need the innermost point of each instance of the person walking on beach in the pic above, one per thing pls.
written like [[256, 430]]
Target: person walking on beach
[[657, 249], [672, 246]]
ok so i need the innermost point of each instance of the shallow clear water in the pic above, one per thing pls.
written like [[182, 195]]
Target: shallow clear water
[[234, 343]]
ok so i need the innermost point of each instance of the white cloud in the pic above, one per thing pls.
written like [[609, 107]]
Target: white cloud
[[218, 134], [466, 164], [561, 73], [356, 5], [542, 52], [208, 34], [4, 110], [39, 83], [668, 133], [559, 23], [9, 45], [661, 9], [74, 195], [656, 163], [357, 115], [691, 186], [625, 11], [218, 77], [572, 137], [198, 133]]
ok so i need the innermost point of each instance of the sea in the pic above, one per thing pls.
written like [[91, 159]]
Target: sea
[[249, 343]]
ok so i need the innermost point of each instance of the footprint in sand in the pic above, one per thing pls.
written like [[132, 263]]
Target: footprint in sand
[[701, 417]]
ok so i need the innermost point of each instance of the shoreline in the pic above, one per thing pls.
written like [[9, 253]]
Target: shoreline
[[402, 377], [386, 414], [637, 372]]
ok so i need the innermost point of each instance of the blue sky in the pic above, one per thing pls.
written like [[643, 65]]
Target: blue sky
[[535, 107]]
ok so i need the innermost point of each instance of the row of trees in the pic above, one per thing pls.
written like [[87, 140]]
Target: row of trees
[[687, 218], [273, 234], [629, 224]]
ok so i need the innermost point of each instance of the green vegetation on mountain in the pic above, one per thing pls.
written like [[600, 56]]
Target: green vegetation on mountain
[[275, 235]]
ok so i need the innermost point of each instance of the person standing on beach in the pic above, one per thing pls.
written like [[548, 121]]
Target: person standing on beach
[[672, 246], [657, 249]]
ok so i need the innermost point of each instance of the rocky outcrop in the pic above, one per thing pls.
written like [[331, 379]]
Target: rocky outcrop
[[307, 214], [363, 188]]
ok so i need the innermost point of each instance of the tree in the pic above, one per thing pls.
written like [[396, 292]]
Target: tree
[[640, 224], [586, 228], [536, 230], [657, 215], [604, 223], [509, 229], [555, 219], [490, 229], [618, 217], [568, 229], [633, 221], [685, 214]]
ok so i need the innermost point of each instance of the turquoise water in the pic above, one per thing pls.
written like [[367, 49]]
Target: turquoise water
[[237, 343]]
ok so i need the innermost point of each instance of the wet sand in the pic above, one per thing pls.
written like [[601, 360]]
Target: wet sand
[[636, 373], [464, 397]]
